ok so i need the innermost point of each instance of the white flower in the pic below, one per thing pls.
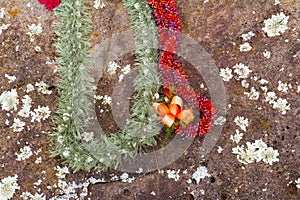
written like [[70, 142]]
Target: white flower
[[25, 111], [220, 121], [267, 54], [10, 78], [29, 88], [98, 4], [277, 2], [126, 69], [4, 27], [25, 153], [281, 105], [40, 113], [226, 74], [247, 36], [18, 125], [156, 96], [34, 29], [283, 87], [245, 47], [242, 70], [244, 83], [263, 81], [270, 155], [253, 94], [8, 187], [298, 183], [43, 87], [37, 48], [38, 160], [276, 24], [241, 122], [88, 136], [201, 173], [271, 97], [9, 100], [220, 149], [61, 172], [244, 156], [112, 67], [2, 13], [106, 100], [236, 137], [125, 178], [172, 174]]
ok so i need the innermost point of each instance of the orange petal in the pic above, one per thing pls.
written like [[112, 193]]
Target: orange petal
[[160, 108], [177, 100], [167, 99], [168, 120], [187, 116], [174, 109]]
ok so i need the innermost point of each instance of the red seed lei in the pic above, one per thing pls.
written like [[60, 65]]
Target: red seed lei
[[173, 77], [50, 4]]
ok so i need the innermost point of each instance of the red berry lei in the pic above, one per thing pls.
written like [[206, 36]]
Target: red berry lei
[[173, 77]]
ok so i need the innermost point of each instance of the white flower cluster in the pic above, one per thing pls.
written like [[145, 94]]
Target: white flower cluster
[[3, 26], [298, 183], [226, 74], [172, 174], [124, 71], [282, 87], [25, 110], [61, 172], [242, 70], [242, 122], [8, 187], [10, 78], [267, 54], [105, 99], [125, 178], [36, 196], [253, 94], [279, 104], [25, 153], [88, 136], [257, 151], [276, 24], [247, 36], [112, 67], [200, 173], [40, 113], [18, 125], [237, 137]]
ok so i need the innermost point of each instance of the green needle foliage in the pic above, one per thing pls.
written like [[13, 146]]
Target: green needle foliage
[[76, 86]]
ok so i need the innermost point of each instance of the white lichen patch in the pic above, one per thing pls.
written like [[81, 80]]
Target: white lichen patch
[[8, 187], [276, 25]]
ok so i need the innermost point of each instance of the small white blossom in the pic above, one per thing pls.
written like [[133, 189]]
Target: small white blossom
[[34, 30], [125, 178], [242, 122], [242, 70], [271, 97], [8, 187], [9, 100], [4, 27], [267, 54], [245, 47], [236, 137], [244, 83], [253, 94], [43, 87], [277, 2], [247, 36], [156, 96], [40, 113], [106, 100], [220, 149], [37, 48], [264, 88], [10, 78], [29, 88], [298, 183], [112, 67], [98, 4], [38, 160], [226, 74], [270, 155], [172, 174], [126, 69], [88, 136], [25, 153], [18, 125], [276, 24], [263, 81], [2, 13], [283, 87], [25, 110], [220, 121], [61, 172], [201, 173], [281, 105]]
